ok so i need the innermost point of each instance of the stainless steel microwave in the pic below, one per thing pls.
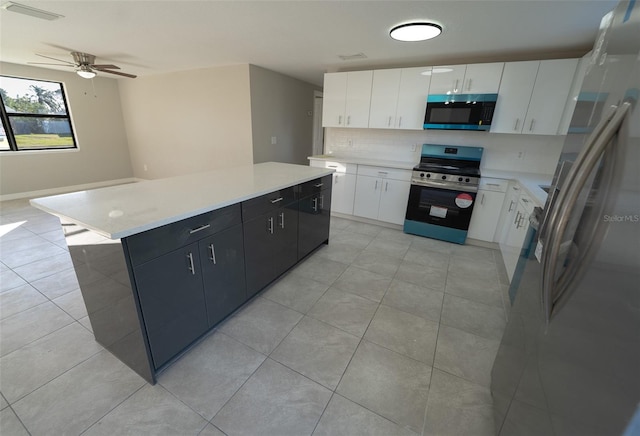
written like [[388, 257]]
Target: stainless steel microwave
[[460, 111]]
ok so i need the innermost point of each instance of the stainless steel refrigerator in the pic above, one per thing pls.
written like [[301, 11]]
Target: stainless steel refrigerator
[[569, 360]]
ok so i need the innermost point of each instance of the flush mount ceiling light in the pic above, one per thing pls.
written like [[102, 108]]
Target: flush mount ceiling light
[[418, 31], [32, 12], [85, 72]]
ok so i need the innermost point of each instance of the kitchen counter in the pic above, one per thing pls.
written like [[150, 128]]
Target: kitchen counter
[[530, 181], [120, 211], [404, 165]]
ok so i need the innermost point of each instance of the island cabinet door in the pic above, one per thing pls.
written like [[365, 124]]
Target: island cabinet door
[[259, 252], [286, 254], [222, 261], [172, 302], [313, 222]]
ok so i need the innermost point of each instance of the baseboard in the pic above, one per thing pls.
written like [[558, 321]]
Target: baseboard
[[65, 189]]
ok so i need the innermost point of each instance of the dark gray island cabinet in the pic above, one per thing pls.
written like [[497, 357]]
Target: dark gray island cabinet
[[152, 294]]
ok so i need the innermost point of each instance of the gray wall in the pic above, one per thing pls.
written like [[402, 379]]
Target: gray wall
[[189, 121], [102, 153], [281, 107]]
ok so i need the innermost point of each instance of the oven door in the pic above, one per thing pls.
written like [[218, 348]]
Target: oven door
[[440, 206]]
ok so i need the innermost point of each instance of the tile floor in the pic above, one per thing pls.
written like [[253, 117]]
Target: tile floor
[[378, 333]]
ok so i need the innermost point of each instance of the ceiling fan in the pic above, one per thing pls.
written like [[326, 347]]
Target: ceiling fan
[[85, 66]]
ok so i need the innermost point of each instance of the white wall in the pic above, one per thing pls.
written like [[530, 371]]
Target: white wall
[[190, 121], [522, 153], [282, 108], [102, 153]]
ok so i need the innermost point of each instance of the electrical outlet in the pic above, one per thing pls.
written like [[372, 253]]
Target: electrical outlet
[[350, 142], [521, 155], [414, 147], [274, 140], [144, 167]]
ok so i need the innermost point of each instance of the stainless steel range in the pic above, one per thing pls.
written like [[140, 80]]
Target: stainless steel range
[[443, 191]]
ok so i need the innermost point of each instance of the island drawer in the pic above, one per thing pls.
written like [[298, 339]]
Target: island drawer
[[151, 244], [266, 203], [314, 186]]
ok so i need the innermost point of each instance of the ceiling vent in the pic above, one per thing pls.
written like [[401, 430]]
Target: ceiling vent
[[32, 12], [353, 57]]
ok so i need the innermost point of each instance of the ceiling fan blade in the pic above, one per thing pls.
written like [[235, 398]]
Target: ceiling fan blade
[[45, 63], [117, 73], [107, 67], [59, 60]]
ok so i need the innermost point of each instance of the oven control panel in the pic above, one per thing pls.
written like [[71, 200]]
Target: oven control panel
[[431, 178]]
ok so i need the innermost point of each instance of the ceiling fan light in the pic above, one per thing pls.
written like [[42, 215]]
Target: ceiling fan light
[[86, 73], [418, 31]]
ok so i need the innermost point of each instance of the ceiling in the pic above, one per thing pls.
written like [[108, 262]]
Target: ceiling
[[302, 39]]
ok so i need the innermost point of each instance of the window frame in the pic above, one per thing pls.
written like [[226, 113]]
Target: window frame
[[8, 128]]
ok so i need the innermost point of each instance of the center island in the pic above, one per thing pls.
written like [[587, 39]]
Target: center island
[[161, 262]]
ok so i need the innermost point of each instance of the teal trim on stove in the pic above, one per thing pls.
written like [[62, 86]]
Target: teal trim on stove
[[436, 232], [463, 152]]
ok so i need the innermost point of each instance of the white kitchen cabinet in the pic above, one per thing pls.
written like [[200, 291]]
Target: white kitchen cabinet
[[346, 99], [514, 95], [516, 234], [466, 79], [398, 98], [549, 98], [382, 193], [486, 211], [344, 184], [533, 96], [508, 213]]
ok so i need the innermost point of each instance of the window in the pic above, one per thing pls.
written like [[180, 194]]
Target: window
[[34, 116]]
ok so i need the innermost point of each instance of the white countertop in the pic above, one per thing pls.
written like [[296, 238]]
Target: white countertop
[[530, 181], [124, 210], [404, 165]]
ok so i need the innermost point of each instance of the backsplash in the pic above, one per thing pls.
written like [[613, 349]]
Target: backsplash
[[525, 153]]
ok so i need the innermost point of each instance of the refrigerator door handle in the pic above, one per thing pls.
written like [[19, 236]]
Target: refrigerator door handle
[[577, 178]]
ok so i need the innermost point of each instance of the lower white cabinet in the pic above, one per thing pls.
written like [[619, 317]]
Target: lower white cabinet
[[344, 184], [486, 211], [516, 233], [382, 193]]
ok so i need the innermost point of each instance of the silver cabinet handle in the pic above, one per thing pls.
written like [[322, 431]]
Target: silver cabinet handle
[[389, 123], [469, 85], [348, 120], [482, 200], [493, 184], [515, 126], [400, 122], [332, 166], [192, 231], [553, 290], [276, 200], [339, 119], [531, 125], [375, 188], [322, 202], [386, 186], [315, 204], [191, 267], [517, 217], [282, 220], [270, 225], [319, 185], [524, 200], [455, 87], [212, 251], [511, 206]]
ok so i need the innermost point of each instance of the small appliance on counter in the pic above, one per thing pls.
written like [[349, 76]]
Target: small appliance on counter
[[460, 111], [443, 191]]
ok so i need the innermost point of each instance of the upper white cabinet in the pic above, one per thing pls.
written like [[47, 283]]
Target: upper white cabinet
[[466, 79], [398, 98], [533, 96], [549, 98], [346, 99]]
